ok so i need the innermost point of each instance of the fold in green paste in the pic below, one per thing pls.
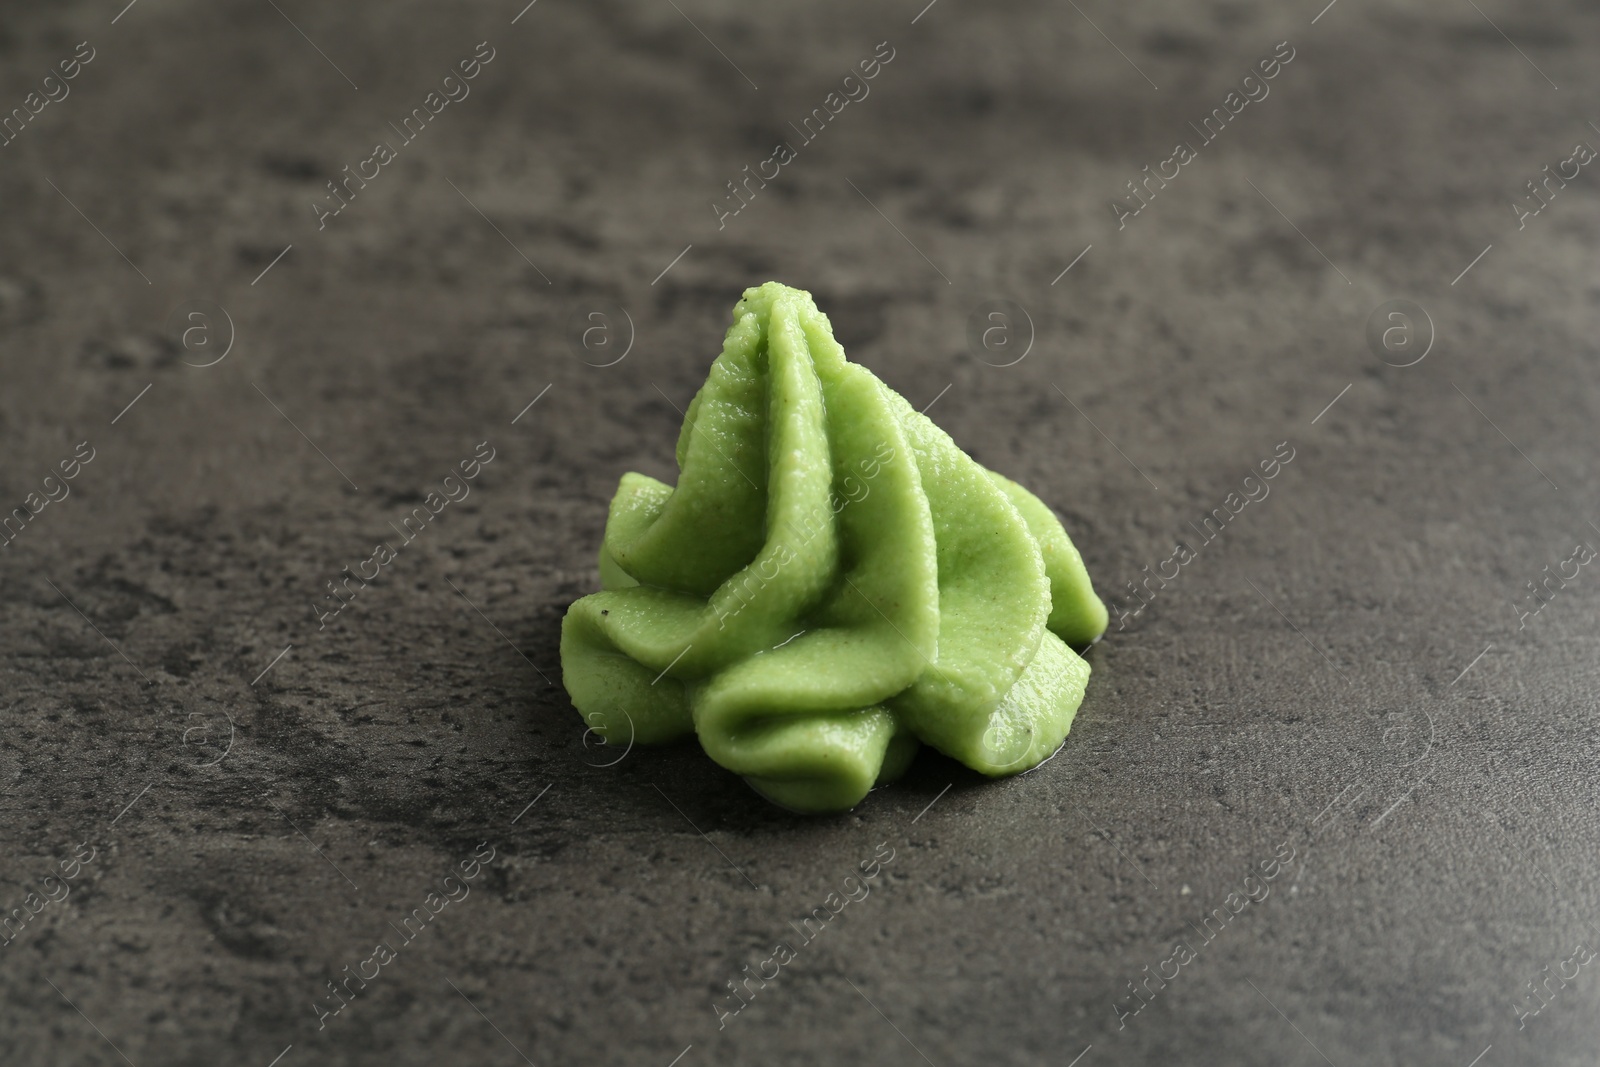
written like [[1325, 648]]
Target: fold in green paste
[[831, 583]]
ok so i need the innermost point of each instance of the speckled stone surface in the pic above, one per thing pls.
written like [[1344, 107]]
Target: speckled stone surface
[[1338, 688]]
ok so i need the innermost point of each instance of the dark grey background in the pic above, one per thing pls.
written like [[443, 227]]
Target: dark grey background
[[1300, 684]]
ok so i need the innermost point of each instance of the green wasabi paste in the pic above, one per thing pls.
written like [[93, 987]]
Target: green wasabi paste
[[831, 583]]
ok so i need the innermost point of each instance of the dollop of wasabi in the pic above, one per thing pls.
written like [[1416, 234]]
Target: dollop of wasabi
[[831, 583]]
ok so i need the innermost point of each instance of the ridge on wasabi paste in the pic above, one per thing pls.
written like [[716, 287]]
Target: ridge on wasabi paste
[[831, 584]]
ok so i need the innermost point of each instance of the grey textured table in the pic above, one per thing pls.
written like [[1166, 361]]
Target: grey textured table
[[1334, 732]]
